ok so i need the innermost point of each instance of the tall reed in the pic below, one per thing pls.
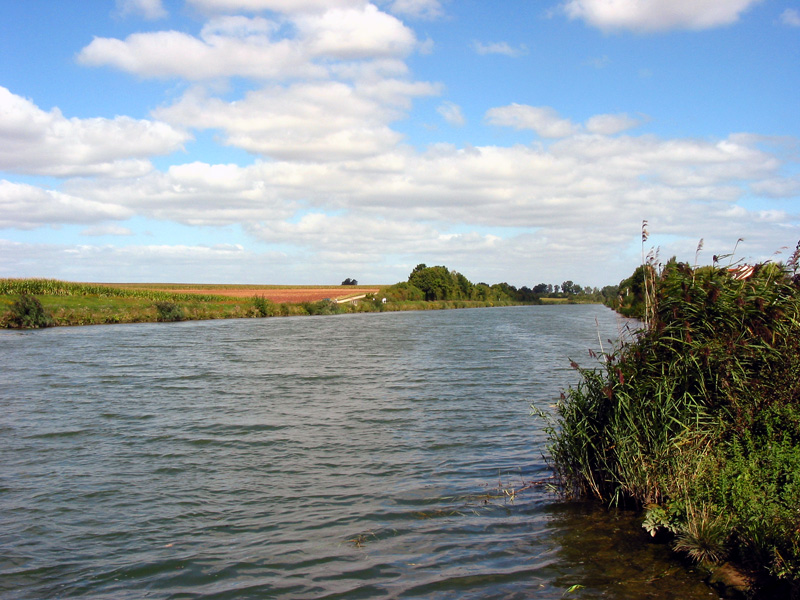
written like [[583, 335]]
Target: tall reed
[[705, 397]]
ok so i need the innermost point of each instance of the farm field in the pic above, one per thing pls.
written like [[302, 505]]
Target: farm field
[[276, 293]]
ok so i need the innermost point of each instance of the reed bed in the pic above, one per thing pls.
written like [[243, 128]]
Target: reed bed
[[696, 420]]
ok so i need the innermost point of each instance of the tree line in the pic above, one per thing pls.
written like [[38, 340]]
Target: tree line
[[440, 283]]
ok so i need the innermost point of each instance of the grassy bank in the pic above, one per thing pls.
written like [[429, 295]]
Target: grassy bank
[[696, 420], [50, 302]]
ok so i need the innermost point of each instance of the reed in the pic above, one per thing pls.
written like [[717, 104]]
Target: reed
[[696, 418]]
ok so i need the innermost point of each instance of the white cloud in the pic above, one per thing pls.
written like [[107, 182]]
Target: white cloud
[[451, 113], [544, 120], [583, 182], [47, 143], [282, 6], [611, 124], [137, 263], [657, 15], [149, 9], [198, 194], [104, 230], [174, 54], [779, 187], [355, 33], [25, 206], [323, 121], [499, 48], [419, 9], [250, 46], [791, 17]]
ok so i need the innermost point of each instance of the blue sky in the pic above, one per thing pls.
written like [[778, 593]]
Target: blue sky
[[306, 141]]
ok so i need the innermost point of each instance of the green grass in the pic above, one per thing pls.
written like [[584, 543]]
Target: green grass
[[68, 303]]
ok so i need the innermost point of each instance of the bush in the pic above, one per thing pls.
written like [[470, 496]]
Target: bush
[[404, 292], [322, 307], [27, 313], [265, 307], [168, 312], [697, 419]]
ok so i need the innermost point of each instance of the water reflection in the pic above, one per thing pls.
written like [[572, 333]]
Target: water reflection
[[607, 554]]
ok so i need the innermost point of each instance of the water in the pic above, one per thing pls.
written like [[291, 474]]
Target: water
[[359, 456]]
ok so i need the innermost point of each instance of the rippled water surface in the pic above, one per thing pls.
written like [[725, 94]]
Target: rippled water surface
[[359, 456]]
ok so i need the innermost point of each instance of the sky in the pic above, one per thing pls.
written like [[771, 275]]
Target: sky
[[309, 141]]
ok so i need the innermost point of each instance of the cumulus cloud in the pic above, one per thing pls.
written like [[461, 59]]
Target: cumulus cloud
[[503, 48], [34, 141], [355, 33], [149, 9], [657, 15], [282, 6], [583, 181], [513, 203], [195, 194], [231, 46], [310, 121], [545, 121], [219, 53], [25, 206]]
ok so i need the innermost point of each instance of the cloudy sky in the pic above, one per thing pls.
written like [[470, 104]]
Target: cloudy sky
[[306, 141]]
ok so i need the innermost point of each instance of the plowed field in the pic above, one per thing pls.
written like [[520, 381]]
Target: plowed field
[[276, 294]]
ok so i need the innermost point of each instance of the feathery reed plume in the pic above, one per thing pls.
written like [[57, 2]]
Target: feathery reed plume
[[645, 235], [792, 263]]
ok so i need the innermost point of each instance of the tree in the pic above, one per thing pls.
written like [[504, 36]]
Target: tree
[[568, 287], [349, 281], [435, 282]]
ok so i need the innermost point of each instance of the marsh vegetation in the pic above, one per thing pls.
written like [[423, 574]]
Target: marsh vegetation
[[695, 419]]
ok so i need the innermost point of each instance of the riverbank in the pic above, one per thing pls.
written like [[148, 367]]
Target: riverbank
[[60, 303], [696, 421]]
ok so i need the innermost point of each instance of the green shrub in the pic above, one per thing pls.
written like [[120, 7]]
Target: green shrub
[[168, 312], [322, 307], [697, 418], [265, 307], [27, 313], [404, 292]]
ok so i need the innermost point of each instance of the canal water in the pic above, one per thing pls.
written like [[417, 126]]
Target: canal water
[[354, 456]]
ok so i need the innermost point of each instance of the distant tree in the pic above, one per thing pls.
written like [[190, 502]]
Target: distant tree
[[541, 288], [568, 287], [505, 290], [526, 294], [349, 281], [464, 286], [435, 282]]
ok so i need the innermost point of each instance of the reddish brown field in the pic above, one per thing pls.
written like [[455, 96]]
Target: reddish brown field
[[276, 294]]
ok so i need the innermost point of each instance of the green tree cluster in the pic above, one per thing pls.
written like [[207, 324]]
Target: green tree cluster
[[441, 283]]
